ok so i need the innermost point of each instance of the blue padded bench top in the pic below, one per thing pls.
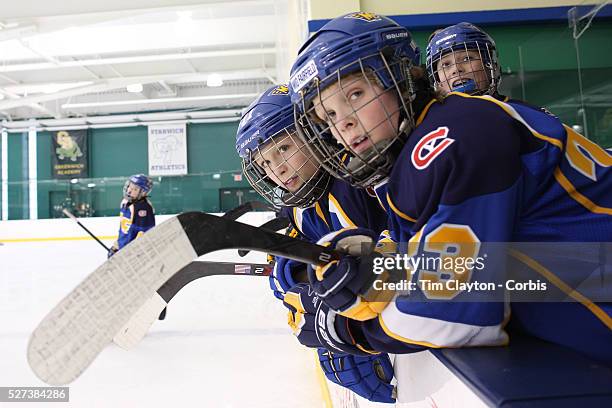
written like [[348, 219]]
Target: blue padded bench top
[[531, 373]]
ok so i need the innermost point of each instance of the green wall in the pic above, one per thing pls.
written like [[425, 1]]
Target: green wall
[[115, 154], [17, 173], [43, 169]]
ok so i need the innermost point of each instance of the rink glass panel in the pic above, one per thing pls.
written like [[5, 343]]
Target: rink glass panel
[[114, 155]]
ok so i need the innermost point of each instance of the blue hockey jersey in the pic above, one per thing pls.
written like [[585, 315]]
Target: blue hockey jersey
[[474, 171], [134, 220], [341, 206]]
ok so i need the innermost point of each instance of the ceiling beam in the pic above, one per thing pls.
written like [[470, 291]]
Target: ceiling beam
[[141, 58], [117, 120], [35, 106], [158, 100], [18, 32], [116, 83], [168, 90], [26, 43]]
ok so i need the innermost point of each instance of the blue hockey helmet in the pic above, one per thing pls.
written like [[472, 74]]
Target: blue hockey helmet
[[464, 37], [364, 46], [264, 126], [348, 44], [268, 115], [141, 181]]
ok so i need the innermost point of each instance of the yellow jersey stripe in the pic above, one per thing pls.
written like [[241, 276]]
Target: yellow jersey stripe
[[342, 212], [584, 201], [539, 268], [297, 218], [319, 212], [422, 115], [397, 211], [380, 202], [510, 111]]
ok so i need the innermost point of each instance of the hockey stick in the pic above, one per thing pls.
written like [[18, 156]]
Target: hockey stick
[[200, 269], [274, 224], [232, 214], [139, 324], [70, 337], [155, 308], [75, 219], [132, 333]]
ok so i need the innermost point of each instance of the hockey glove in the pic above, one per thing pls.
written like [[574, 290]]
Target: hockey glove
[[367, 376], [315, 325], [342, 285], [285, 275]]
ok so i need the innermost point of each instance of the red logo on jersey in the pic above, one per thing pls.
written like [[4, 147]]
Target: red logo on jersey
[[430, 147]]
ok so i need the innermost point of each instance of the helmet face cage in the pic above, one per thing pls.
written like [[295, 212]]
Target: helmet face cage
[[285, 172], [463, 58], [354, 142], [140, 181], [469, 68]]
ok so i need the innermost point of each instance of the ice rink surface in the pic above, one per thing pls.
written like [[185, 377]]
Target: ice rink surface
[[224, 343]]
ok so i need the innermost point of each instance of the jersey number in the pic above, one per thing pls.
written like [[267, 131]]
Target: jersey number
[[577, 149], [457, 247]]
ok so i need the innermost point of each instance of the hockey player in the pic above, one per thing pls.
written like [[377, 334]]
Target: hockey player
[[456, 174], [278, 165], [456, 56], [136, 215], [463, 58]]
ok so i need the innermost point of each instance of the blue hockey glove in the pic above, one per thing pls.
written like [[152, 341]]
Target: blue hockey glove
[[302, 305], [284, 275], [315, 325], [342, 285], [367, 376]]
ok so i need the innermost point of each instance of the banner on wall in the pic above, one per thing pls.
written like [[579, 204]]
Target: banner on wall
[[69, 154], [168, 149]]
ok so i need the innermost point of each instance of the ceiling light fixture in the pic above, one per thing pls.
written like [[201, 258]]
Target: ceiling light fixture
[[214, 80], [134, 88]]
